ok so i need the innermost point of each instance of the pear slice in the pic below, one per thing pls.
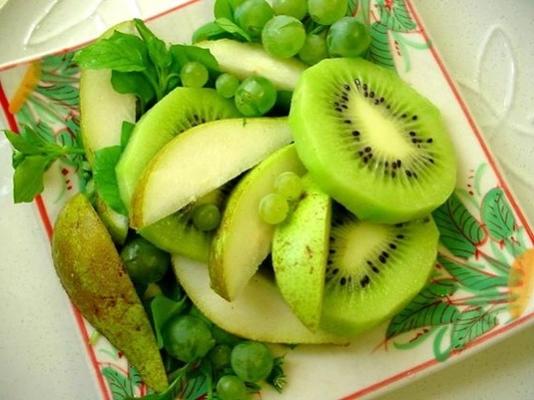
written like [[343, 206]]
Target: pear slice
[[202, 159], [90, 269], [181, 109], [102, 109], [247, 59], [259, 313], [300, 253], [243, 240]]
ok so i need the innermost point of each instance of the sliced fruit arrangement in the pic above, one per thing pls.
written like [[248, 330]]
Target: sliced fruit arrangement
[[243, 239], [380, 149], [259, 313], [373, 270], [300, 251], [188, 159], [201, 160], [96, 281]]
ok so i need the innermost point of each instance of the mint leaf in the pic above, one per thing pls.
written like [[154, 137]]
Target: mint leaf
[[172, 391], [20, 144], [163, 309], [157, 50], [126, 132], [133, 83], [33, 153], [223, 9], [233, 28], [28, 178], [209, 31], [183, 53], [105, 178], [121, 52]]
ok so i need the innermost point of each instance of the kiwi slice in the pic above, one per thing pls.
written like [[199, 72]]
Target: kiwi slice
[[371, 141], [374, 270], [177, 234]]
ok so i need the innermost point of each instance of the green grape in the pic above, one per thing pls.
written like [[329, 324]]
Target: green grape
[[289, 185], [348, 38], [273, 208], [144, 262], [230, 387], [293, 8], [194, 74], [252, 15], [283, 36], [206, 217], [195, 312], [187, 338], [252, 361], [326, 12], [223, 337], [226, 85], [314, 49], [255, 96], [220, 356]]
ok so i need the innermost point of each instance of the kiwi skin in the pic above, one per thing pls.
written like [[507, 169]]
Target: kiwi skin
[[91, 272], [337, 169]]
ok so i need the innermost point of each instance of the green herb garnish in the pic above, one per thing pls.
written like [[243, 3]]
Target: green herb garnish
[[142, 64], [33, 154]]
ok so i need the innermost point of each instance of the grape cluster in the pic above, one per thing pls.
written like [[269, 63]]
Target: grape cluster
[[310, 29]]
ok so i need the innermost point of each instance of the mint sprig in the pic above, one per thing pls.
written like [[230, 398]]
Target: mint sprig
[[142, 64], [33, 154]]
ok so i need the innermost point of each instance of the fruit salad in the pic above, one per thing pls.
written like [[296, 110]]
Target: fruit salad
[[263, 187]]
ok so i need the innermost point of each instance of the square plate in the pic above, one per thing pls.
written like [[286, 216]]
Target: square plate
[[480, 290]]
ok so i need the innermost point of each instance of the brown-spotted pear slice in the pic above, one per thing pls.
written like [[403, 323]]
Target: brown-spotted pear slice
[[93, 276]]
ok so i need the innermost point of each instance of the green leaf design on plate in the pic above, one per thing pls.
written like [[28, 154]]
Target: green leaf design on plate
[[134, 378], [460, 231], [397, 17], [118, 384], [470, 324], [497, 215], [379, 51], [471, 277], [426, 309]]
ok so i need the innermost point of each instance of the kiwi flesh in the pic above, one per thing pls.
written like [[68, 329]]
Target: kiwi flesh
[[374, 270], [178, 111], [371, 141]]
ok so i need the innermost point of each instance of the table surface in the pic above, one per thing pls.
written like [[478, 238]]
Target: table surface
[[39, 346]]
